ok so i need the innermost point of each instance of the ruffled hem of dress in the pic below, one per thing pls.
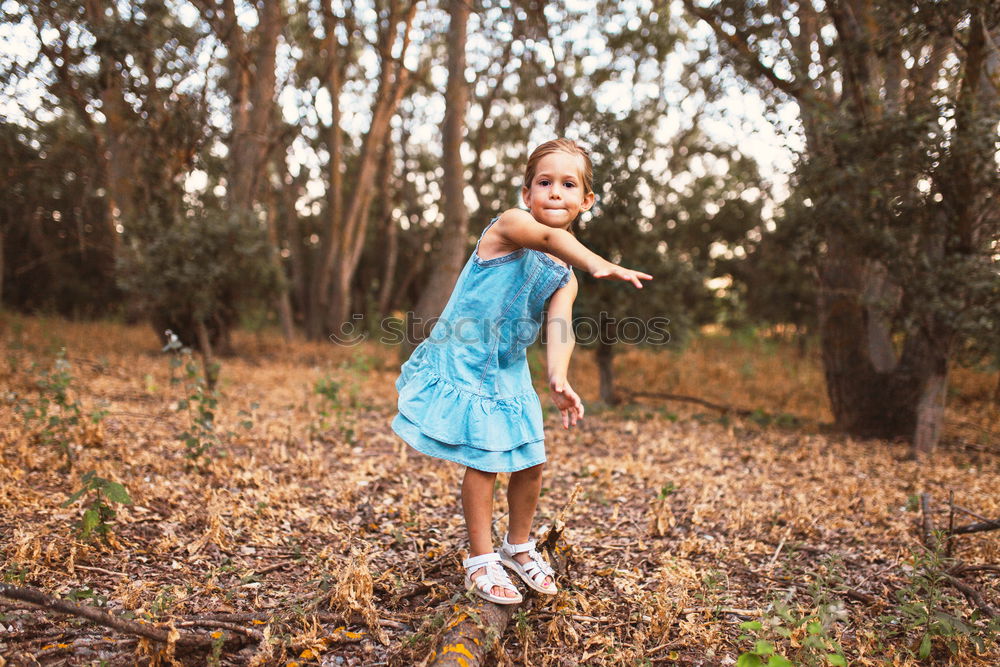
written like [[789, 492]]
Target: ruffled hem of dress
[[457, 416], [525, 456]]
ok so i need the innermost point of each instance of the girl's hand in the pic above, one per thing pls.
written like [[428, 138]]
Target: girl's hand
[[567, 400], [609, 270]]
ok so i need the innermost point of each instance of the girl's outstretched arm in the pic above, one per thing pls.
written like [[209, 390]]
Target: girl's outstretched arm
[[559, 343], [519, 229]]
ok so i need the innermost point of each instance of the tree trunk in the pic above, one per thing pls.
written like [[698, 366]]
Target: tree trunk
[[283, 302], [207, 360], [845, 67], [252, 87], [1, 265], [390, 225], [451, 254], [336, 62], [605, 367], [346, 236], [292, 233]]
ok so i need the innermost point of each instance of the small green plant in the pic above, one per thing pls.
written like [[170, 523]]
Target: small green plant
[[16, 573], [928, 614], [218, 641], [57, 416], [99, 513], [78, 594], [198, 405], [333, 405], [812, 631]]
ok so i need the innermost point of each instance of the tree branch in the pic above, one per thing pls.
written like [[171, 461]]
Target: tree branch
[[738, 42], [168, 635]]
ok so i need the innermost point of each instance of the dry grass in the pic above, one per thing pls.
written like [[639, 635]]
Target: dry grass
[[319, 527]]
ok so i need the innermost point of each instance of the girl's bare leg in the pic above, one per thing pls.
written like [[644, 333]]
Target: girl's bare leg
[[477, 503], [522, 500]]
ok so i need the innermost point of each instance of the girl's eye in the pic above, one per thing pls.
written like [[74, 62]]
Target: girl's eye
[[543, 181], [569, 184]]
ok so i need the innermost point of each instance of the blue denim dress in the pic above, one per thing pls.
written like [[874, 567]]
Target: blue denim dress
[[465, 394]]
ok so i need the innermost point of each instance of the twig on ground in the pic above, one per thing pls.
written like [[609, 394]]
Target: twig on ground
[[974, 595], [983, 527], [210, 623]]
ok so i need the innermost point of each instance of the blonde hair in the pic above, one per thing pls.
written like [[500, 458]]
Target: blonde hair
[[564, 146]]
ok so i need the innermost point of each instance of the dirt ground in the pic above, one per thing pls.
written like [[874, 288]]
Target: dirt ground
[[307, 533]]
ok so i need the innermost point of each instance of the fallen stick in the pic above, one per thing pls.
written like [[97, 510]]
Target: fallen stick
[[928, 521], [742, 412], [147, 630], [981, 527]]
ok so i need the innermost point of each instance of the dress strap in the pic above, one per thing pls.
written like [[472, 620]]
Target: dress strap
[[483, 233]]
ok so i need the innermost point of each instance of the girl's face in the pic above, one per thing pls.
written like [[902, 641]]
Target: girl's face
[[556, 195]]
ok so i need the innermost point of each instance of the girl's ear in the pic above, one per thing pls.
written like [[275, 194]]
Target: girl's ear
[[525, 192], [588, 201]]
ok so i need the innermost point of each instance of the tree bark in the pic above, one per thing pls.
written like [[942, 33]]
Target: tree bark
[[451, 254], [473, 633]]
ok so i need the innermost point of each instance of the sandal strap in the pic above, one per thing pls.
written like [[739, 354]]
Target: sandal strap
[[538, 563], [495, 575], [479, 561], [517, 548], [537, 568]]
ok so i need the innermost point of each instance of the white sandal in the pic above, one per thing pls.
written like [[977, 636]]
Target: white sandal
[[534, 571], [494, 576]]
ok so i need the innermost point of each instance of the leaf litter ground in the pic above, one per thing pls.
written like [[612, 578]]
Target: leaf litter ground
[[314, 526]]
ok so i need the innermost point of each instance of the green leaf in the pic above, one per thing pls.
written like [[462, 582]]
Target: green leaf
[[778, 660], [814, 627], [925, 647], [836, 660], [763, 647], [751, 625], [749, 660], [117, 493], [91, 519], [75, 496]]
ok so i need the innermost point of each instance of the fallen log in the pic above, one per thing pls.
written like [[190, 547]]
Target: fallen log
[[472, 634], [476, 629]]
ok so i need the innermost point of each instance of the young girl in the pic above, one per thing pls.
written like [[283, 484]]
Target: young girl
[[465, 393]]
